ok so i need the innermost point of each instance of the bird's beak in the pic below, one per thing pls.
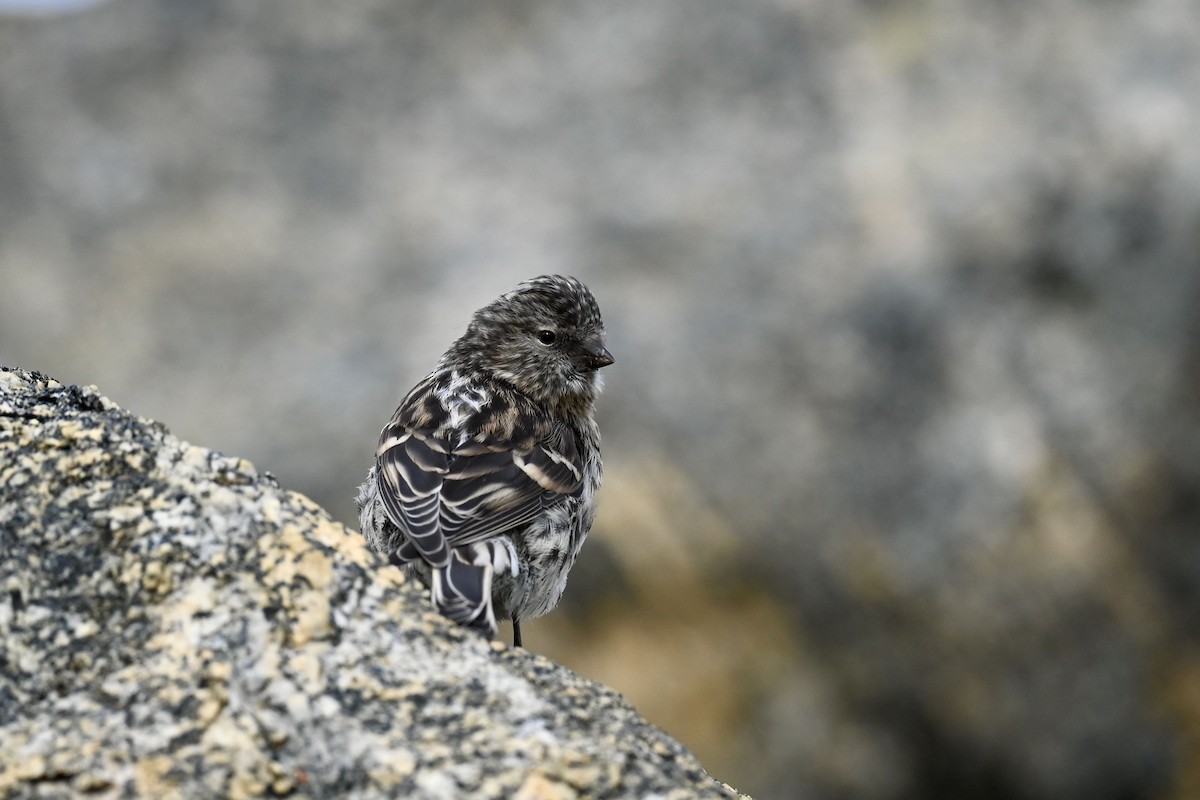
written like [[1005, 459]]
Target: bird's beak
[[596, 355]]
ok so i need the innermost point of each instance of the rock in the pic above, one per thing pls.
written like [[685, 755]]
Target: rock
[[175, 624]]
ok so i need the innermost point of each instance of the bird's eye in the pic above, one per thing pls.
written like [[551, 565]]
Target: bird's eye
[[546, 337]]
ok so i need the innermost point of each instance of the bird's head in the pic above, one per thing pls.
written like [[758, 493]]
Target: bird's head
[[545, 337]]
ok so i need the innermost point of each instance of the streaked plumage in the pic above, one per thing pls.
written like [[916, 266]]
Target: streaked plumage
[[485, 478]]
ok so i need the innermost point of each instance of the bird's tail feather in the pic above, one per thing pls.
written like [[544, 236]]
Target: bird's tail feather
[[462, 591]]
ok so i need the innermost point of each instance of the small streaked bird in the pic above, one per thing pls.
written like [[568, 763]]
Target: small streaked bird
[[485, 479]]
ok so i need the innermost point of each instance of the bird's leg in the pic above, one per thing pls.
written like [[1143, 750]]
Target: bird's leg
[[516, 631]]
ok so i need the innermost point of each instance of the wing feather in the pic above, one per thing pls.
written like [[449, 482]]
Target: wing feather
[[508, 487], [444, 495], [410, 471]]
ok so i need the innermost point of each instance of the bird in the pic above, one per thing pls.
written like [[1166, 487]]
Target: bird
[[485, 478]]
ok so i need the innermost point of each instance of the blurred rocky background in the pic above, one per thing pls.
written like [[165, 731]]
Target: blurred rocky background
[[903, 438]]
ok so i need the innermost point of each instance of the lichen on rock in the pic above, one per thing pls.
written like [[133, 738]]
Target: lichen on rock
[[175, 624]]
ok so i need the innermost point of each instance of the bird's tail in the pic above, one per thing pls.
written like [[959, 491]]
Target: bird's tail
[[462, 590]]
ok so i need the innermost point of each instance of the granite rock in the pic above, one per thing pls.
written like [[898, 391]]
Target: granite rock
[[173, 623]]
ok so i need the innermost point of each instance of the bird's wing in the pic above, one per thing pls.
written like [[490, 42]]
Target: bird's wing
[[494, 486], [445, 495], [410, 468]]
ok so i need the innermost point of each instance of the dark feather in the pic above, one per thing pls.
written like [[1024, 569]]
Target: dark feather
[[445, 496]]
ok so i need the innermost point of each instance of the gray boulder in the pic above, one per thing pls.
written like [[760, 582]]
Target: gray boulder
[[175, 624]]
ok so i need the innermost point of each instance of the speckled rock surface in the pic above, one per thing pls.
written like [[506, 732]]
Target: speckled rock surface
[[174, 624]]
